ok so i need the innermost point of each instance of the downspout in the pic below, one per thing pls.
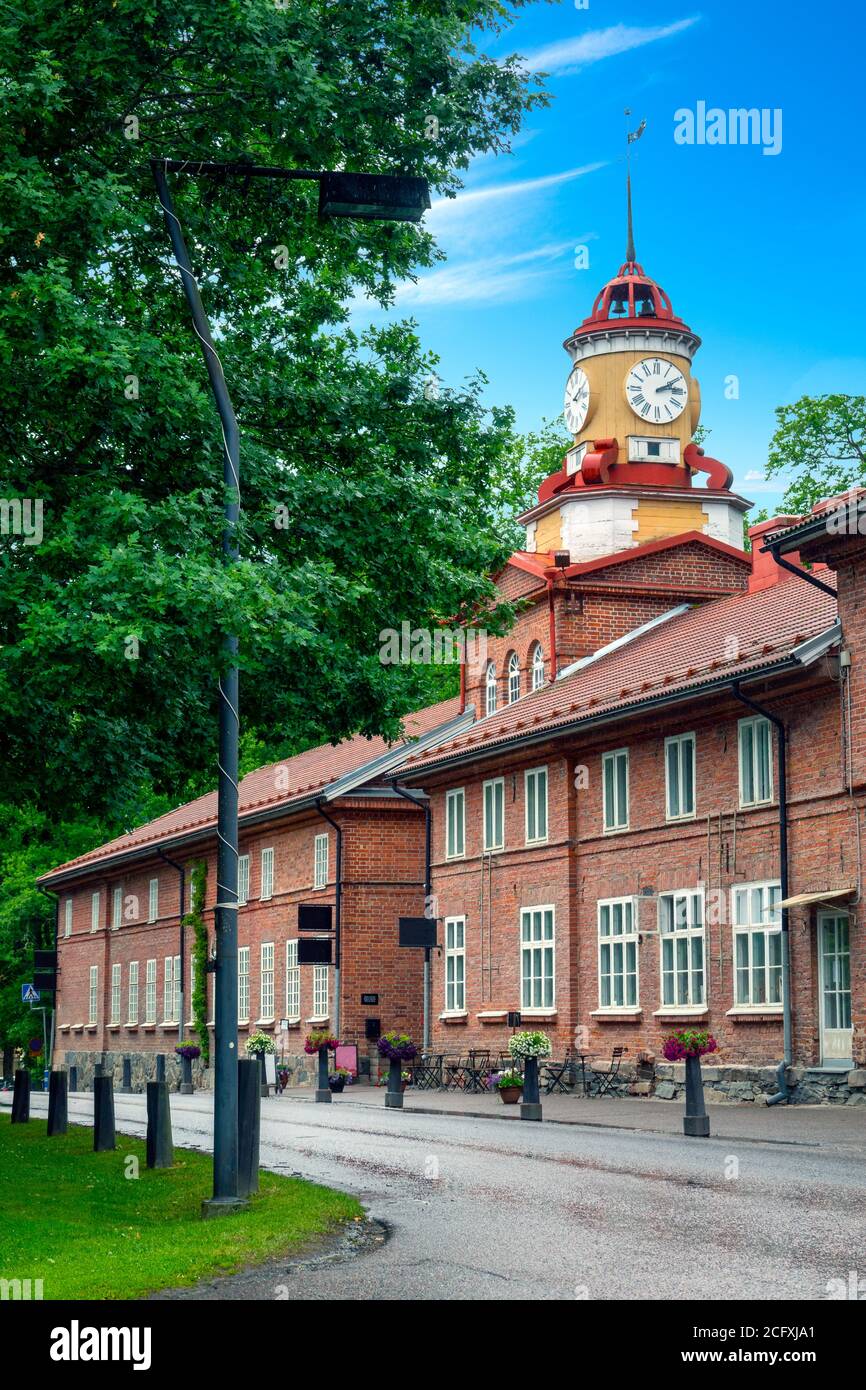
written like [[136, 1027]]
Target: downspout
[[783, 1093], [463, 682], [182, 935], [801, 573], [428, 896], [49, 893], [552, 618], [338, 905]]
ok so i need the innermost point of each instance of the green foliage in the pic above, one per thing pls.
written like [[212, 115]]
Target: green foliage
[[195, 920], [822, 441]]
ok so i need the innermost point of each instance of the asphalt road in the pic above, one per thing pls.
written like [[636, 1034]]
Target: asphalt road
[[481, 1209]]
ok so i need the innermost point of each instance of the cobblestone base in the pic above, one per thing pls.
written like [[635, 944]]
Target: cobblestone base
[[143, 1069]]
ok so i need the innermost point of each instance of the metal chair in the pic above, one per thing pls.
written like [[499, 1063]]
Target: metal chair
[[603, 1080], [558, 1075], [476, 1070], [453, 1073], [427, 1071]]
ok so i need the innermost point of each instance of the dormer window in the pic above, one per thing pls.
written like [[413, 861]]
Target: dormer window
[[490, 685], [537, 666], [513, 678]]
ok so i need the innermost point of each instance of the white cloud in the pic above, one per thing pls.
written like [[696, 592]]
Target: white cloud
[[446, 210], [488, 280], [570, 55], [753, 476]]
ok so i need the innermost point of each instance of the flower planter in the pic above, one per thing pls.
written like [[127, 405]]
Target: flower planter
[[337, 1084], [510, 1095]]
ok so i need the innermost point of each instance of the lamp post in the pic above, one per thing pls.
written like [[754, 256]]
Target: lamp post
[[387, 197]]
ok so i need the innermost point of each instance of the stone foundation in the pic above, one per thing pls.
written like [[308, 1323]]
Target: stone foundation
[[750, 1085], [143, 1069]]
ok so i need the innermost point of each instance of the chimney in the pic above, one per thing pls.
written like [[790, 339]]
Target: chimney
[[765, 571]]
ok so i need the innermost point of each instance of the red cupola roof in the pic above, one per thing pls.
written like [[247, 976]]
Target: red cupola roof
[[631, 300]]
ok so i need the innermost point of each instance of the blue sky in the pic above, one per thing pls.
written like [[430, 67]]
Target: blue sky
[[758, 252]]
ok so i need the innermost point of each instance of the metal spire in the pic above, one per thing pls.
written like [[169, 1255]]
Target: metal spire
[[631, 136], [629, 250]]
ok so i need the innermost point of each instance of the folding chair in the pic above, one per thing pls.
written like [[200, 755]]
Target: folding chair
[[453, 1073], [558, 1076], [603, 1080], [476, 1071]]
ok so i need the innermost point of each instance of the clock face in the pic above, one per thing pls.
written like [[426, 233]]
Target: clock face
[[656, 390], [576, 400]]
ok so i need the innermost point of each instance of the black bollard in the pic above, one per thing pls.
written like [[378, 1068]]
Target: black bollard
[[160, 1149], [58, 1109], [21, 1097], [126, 1083], [103, 1114], [249, 1126], [73, 1078], [394, 1093], [530, 1106], [696, 1121], [323, 1091], [160, 1066]]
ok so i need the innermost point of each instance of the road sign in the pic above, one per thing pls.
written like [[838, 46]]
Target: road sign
[[417, 931], [29, 995], [314, 917], [45, 981], [35, 1044], [314, 951], [44, 960]]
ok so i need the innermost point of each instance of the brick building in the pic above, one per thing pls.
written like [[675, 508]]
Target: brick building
[[607, 830]]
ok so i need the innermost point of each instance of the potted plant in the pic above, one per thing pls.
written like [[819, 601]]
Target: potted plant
[[321, 1041], [509, 1084], [690, 1045], [527, 1047], [187, 1052], [398, 1048], [259, 1045], [337, 1079]]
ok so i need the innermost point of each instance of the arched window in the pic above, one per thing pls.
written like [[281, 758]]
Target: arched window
[[491, 688], [513, 678], [537, 666]]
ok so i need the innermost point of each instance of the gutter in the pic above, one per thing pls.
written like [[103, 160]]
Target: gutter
[[182, 936], [338, 908]]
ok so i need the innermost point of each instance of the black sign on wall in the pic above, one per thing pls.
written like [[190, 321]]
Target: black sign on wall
[[372, 1029], [417, 931], [314, 917], [369, 998], [314, 951]]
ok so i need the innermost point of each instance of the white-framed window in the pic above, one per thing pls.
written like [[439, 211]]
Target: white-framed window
[[153, 900], [757, 925], [537, 978], [266, 992], [132, 994], [171, 990], [535, 784], [617, 954], [756, 761], [67, 917], [114, 1016], [493, 794], [267, 886], [490, 689], [293, 982], [95, 909], [243, 879], [243, 984], [614, 777], [681, 929], [513, 678], [455, 818], [537, 666], [93, 995], [455, 964], [150, 992], [680, 777], [116, 906], [320, 991], [320, 861]]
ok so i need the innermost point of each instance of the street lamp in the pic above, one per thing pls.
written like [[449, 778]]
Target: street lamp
[[386, 197]]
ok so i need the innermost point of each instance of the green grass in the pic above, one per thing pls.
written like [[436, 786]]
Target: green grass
[[74, 1219]]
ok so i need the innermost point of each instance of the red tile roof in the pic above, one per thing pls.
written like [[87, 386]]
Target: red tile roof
[[299, 778], [681, 654]]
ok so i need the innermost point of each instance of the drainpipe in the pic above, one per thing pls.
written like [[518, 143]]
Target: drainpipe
[[801, 573], [338, 904], [552, 614], [49, 893], [463, 682], [182, 935], [428, 894], [783, 1093]]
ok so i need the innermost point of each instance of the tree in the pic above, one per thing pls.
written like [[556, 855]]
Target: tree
[[822, 441], [367, 499]]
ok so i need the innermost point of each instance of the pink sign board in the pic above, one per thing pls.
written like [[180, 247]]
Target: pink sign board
[[347, 1056]]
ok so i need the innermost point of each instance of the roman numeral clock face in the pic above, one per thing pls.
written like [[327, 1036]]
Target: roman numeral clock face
[[656, 390], [576, 400]]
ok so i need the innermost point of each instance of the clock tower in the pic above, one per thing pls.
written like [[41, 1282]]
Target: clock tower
[[634, 473]]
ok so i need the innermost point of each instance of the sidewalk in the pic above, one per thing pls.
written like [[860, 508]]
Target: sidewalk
[[825, 1126]]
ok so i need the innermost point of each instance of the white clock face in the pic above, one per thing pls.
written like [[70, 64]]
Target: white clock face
[[656, 390], [576, 400]]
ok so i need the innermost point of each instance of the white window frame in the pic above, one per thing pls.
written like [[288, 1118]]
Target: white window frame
[[243, 984], [171, 989], [266, 982], [535, 783], [612, 814], [266, 884], [454, 973], [93, 996], [617, 923], [132, 995], [489, 842], [95, 909], [67, 917], [686, 937], [321, 851], [114, 1004], [243, 879], [153, 900], [534, 946], [513, 678], [150, 991], [537, 666], [677, 746], [293, 983], [116, 906], [490, 688], [752, 725], [754, 913], [455, 823], [321, 1001]]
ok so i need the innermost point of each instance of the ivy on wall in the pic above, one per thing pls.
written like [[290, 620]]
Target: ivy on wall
[[195, 920]]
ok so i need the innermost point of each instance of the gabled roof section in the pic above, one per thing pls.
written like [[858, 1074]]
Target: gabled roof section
[[637, 552]]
